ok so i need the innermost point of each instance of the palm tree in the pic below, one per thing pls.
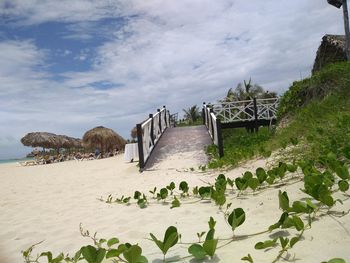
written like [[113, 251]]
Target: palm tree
[[192, 114], [247, 91]]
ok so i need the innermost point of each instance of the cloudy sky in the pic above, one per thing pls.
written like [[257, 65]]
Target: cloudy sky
[[70, 65]]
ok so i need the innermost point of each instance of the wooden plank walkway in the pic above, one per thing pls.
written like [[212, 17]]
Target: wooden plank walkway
[[180, 148]]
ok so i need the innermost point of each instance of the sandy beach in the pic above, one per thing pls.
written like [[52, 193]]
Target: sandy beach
[[48, 202]]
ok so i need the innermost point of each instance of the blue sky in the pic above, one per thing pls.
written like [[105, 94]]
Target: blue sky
[[68, 66]]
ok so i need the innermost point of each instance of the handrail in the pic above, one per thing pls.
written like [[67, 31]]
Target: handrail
[[213, 125], [246, 110], [149, 133]]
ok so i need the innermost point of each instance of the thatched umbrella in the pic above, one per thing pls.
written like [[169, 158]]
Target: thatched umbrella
[[50, 140], [104, 139], [41, 139], [133, 133], [76, 143]]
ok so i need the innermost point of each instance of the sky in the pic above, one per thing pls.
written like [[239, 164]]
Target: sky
[[70, 65]]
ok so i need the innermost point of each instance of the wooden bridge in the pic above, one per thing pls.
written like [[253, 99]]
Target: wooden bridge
[[153, 147]]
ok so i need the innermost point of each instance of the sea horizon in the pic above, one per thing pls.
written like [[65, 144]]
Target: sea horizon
[[13, 160]]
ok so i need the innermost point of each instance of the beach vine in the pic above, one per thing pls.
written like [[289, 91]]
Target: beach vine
[[321, 181]]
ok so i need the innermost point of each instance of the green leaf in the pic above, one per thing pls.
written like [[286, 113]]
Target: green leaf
[[171, 186], [210, 234], [336, 260], [163, 193], [300, 207], [170, 238], [261, 174], [93, 255], [211, 223], [133, 255], [342, 172], [293, 241], [343, 185], [241, 183], [270, 180], [137, 195], [283, 200], [311, 204], [204, 191], [112, 241], [142, 203], [236, 218], [247, 175], [197, 251], [346, 152], [77, 255], [298, 223], [292, 168], [113, 253], [265, 244], [248, 258], [59, 259], [282, 219], [253, 183], [47, 254], [157, 242], [142, 259], [209, 246], [183, 186], [284, 241], [175, 203], [327, 200]]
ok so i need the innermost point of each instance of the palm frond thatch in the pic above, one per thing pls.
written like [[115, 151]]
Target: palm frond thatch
[[50, 140], [103, 138], [41, 139]]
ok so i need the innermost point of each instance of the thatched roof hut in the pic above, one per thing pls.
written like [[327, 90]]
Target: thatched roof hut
[[69, 142], [41, 139], [50, 140], [331, 50], [133, 133], [103, 138]]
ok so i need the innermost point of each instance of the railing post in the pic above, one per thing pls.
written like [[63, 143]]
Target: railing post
[[212, 124], [152, 128], [140, 146], [219, 135], [207, 115], [256, 124], [203, 113], [166, 124], [160, 121]]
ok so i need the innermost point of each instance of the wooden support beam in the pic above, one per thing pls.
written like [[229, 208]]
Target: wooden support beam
[[152, 128], [140, 146], [220, 141], [166, 123], [203, 113]]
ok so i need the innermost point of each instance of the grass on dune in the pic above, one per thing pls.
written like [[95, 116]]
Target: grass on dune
[[318, 114]]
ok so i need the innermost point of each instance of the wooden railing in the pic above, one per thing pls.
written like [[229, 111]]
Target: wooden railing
[[149, 133], [246, 110], [213, 125]]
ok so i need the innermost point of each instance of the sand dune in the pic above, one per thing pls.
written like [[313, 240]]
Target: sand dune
[[48, 202]]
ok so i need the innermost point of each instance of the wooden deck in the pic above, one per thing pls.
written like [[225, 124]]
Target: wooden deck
[[176, 143]]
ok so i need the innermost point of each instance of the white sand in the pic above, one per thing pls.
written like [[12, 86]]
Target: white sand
[[48, 202]]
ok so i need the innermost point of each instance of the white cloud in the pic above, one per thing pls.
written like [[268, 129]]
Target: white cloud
[[174, 53]]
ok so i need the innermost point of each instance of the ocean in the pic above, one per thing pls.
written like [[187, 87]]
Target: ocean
[[15, 160]]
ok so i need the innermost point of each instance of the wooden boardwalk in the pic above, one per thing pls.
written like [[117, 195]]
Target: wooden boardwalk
[[180, 146]]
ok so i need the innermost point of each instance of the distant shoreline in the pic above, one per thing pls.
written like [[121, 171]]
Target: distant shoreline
[[5, 161]]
